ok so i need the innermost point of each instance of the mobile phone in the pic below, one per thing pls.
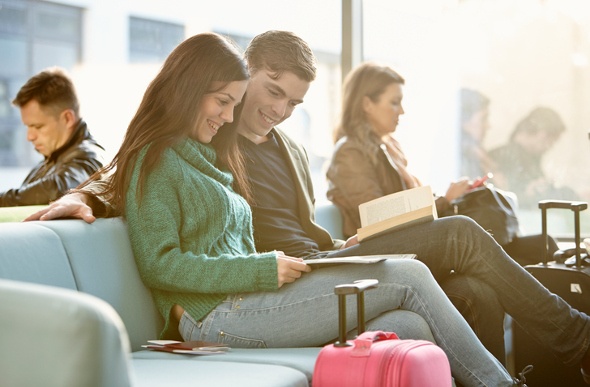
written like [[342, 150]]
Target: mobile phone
[[479, 182]]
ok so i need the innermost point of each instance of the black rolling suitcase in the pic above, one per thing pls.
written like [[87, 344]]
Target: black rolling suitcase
[[567, 274]]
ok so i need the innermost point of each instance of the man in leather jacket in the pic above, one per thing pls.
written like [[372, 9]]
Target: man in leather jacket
[[49, 108]]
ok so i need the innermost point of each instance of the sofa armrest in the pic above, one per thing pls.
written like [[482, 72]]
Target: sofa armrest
[[58, 337]]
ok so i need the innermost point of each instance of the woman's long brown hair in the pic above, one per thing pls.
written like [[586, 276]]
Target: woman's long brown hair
[[169, 110]]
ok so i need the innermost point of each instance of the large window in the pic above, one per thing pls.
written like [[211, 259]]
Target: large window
[[520, 54], [33, 35], [529, 59], [151, 40], [111, 67]]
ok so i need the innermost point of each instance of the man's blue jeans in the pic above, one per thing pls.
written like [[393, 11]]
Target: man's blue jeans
[[458, 244], [478, 304]]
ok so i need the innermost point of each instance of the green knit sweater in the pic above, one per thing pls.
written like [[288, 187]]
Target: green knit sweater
[[192, 234]]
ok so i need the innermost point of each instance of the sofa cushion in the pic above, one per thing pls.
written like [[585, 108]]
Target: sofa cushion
[[32, 253], [103, 265], [188, 373], [301, 359]]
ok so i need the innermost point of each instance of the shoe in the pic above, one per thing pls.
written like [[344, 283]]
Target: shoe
[[521, 380]]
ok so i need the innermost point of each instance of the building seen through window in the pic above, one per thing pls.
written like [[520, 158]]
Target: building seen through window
[[152, 40]]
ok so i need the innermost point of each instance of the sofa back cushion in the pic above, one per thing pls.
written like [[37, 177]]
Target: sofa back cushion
[[30, 252], [96, 259], [103, 265], [328, 216]]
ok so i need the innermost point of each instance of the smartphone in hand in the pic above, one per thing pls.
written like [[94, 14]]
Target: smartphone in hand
[[481, 181]]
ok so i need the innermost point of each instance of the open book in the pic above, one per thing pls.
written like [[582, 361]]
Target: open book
[[356, 259], [397, 210]]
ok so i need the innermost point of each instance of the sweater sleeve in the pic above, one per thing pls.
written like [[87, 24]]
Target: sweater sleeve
[[178, 242]]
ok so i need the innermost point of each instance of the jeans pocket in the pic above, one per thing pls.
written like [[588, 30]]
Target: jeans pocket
[[239, 341], [188, 328]]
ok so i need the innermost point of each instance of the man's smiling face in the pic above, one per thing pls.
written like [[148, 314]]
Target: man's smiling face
[[268, 102]]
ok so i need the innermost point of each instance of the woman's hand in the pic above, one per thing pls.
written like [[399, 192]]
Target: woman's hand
[[290, 268], [457, 189]]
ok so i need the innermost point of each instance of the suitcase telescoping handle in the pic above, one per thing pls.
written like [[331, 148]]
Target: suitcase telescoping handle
[[576, 207], [358, 288]]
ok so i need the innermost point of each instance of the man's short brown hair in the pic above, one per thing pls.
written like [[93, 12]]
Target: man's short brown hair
[[279, 52], [52, 89]]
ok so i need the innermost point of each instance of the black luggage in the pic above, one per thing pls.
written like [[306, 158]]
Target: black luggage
[[567, 274]]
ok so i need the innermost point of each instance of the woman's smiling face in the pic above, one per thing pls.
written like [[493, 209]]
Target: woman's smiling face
[[217, 108]]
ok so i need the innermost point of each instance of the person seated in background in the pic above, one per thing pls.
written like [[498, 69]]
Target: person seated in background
[[477, 161], [519, 160], [368, 163], [50, 110], [474, 124]]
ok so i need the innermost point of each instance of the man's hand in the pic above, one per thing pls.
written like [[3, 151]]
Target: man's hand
[[353, 240], [68, 206], [290, 268]]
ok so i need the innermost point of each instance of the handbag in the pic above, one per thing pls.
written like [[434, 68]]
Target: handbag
[[377, 358], [493, 209]]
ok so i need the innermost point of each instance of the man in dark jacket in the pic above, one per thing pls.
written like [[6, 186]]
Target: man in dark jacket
[[49, 108]]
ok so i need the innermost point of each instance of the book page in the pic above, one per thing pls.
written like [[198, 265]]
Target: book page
[[395, 204], [357, 259]]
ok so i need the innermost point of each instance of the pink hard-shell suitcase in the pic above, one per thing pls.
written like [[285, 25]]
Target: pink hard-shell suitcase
[[377, 359]]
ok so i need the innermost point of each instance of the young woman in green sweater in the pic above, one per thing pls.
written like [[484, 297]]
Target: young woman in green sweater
[[190, 225]]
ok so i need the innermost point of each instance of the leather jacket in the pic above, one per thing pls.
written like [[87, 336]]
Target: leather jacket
[[359, 173], [63, 170]]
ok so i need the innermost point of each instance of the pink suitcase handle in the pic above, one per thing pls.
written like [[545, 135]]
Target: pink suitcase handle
[[378, 336], [358, 288], [362, 344]]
